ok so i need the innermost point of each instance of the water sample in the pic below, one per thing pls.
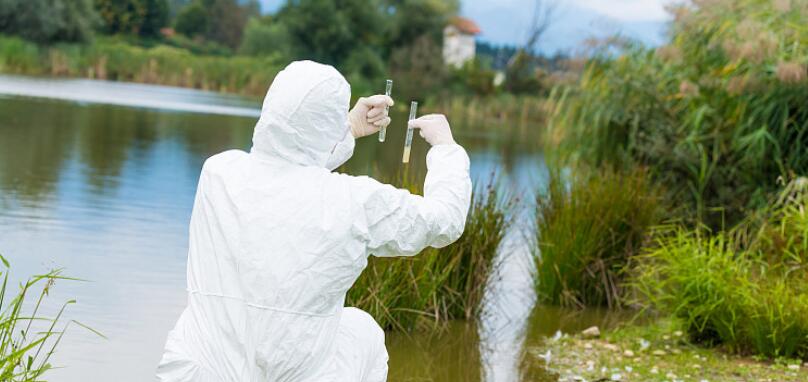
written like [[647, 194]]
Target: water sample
[[408, 139], [388, 90]]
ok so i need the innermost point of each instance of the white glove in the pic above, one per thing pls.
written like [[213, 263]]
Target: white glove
[[434, 128], [369, 115]]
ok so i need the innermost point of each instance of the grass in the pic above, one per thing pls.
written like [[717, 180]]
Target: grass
[[658, 351], [27, 338], [589, 225], [717, 115], [115, 59], [437, 285], [745, 289]]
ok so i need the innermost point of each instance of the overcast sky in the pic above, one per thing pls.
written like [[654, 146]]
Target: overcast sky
[[506, 21]]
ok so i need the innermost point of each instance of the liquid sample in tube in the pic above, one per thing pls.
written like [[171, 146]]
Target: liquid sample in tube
[[408, 139], [387, 91]]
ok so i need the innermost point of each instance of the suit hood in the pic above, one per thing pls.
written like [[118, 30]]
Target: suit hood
[[304, 115]]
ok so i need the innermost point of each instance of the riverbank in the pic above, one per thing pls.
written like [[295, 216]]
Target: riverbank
[[657, 351]]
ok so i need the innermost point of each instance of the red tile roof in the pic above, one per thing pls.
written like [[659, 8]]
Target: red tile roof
[[465, 25]]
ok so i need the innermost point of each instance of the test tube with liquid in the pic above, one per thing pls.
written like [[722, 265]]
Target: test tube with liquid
[[388, 90], [408, 139]]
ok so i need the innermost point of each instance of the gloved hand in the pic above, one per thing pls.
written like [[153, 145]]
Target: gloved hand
[[369, 115], [434, 128]]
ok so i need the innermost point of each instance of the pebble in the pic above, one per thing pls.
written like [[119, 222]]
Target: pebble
[[654, 370], [793, 367], [592, 332], [611, 347], [659, 352], [628, 353], [616, 377]]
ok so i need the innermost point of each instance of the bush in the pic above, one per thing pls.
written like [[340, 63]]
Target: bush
[[717, 115], [264, 37], [47, 21], [588, 229], [746, 289], [436, 285]]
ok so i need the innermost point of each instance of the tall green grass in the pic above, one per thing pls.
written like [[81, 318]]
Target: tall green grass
[[437, 285], [588, 227], [115, 59], [28, 339], [746, 289], [717, 115]]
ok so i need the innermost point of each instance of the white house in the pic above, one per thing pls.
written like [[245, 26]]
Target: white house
[[459, 45]]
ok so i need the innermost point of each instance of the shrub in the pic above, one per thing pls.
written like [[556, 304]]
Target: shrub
[[717, 115], [588, 228], [746, 289], [436, 285], [47, 21]]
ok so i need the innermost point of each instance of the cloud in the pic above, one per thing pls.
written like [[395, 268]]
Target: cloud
[[628, 10]]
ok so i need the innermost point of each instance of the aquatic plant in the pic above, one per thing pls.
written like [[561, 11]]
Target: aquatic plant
[[588, 227], [717, 115], [28, 339], [746, 289], [437, 285]]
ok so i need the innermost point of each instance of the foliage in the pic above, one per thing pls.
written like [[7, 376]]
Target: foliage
[[746, 289], [28, 338], [139, 17], [475, 77], [418, 69], [717, 115], [436, 285], [112, 59], [589, 226], [221, 21], [47, 21], [264, 36]]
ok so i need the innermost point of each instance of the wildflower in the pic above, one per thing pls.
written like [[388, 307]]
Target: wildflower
[[791, 72]]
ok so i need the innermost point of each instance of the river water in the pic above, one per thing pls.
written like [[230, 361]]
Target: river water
[[99, 178]]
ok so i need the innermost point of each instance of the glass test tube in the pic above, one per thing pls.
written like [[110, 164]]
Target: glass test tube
[[388, 91], [408, 139]]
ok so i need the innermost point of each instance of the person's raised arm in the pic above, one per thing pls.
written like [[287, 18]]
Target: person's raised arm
[[397, 223]]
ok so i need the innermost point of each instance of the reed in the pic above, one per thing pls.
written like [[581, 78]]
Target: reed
[[717, 115], [588, 227], [28, 338], [745, 289], [438, 285], [112, 59]]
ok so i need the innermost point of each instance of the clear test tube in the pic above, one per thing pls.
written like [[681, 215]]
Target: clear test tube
[[388, 90], [408, 139]]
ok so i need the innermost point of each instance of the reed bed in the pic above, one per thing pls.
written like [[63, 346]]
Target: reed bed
[[717, 115], [114, 59], [745, 289], [588, 227], [438, 285]]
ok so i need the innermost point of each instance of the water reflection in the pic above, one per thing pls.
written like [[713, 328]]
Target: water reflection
[[106, 192]]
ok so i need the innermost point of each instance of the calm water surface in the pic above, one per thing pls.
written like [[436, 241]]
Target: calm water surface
[[99, 178]]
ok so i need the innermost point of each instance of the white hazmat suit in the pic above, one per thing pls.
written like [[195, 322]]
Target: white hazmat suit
[[277, 239]]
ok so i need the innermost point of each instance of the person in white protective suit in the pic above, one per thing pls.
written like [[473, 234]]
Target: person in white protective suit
[[277, 239]]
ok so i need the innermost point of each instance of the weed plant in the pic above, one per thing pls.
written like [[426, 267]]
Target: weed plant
[[717, 115], [28, 339], [745, 289], [437, 285], [588, 227]]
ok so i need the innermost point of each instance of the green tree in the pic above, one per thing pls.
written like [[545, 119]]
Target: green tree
[[192, 20], [48, 20], [264, 36], [139, 17], [330, 30], [221, 21]]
